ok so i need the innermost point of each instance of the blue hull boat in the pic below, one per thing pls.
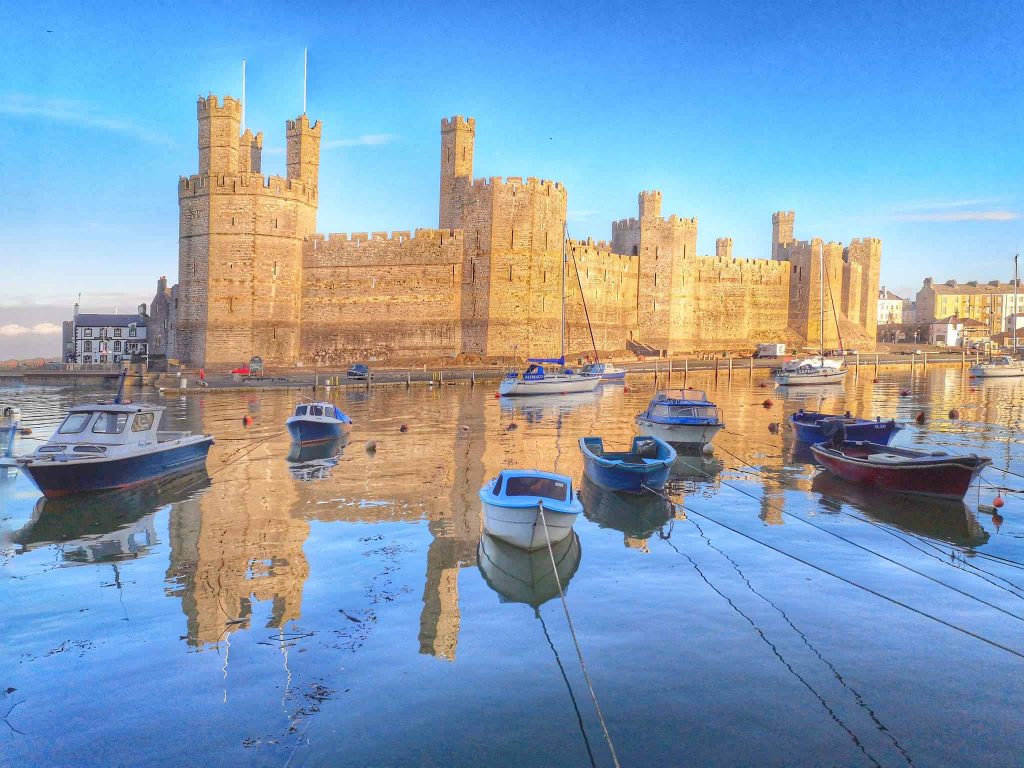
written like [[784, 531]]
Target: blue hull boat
[[813, 427], [60, 478], [317, 423], [644, 467]]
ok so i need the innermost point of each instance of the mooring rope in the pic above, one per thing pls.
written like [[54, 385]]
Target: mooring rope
[[843, 579], [572, 631]]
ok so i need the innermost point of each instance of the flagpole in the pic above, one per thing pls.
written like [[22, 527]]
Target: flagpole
[[305, 76], [243, 95]]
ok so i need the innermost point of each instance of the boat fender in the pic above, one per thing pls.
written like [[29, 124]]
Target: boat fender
[[707, 449], [919, 418], [371, 446], [768, 402], [904, 393], [774, 428], [511, 427], [954, 413], [25, 431], [874, 381], [246, 420], [404, 428]]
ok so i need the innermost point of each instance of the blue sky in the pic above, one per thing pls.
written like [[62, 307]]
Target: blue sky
[[897, 120]]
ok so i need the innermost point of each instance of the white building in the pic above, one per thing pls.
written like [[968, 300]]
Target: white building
[[891, 308], [102, 338], [957, 331]]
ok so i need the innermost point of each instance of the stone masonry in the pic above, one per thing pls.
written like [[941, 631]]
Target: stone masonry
[[255, 278]]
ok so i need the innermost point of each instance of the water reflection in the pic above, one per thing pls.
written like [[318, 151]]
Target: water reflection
[[637, 517], [519, 576], [945, 519], [107, 526], [314, 461]]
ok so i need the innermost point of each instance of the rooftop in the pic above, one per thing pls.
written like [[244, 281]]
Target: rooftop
[[103, 320]]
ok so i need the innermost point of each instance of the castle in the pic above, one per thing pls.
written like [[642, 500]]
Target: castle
[[256, 278]]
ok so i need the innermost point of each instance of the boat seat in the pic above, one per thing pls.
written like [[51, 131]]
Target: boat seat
[[887, 457]]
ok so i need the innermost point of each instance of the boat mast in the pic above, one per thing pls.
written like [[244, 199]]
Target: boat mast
[[1015, 257], [561, 328], [821, 302]]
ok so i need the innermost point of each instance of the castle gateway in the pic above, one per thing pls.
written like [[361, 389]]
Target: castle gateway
[[255, 277]]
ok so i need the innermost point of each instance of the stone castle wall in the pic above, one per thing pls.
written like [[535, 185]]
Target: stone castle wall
[[378, 296], [256, 279]]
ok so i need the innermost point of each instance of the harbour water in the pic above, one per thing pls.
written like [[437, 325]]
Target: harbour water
[[338, 607]]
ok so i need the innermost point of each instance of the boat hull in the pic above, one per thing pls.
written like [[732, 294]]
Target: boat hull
[[877, 432], [685, 435], [614, 376], [519, 576], [547, 386], [794, 379], [947, 478], [314, 430], [997, 372], [521, 526], [62, 478], [628, 472]]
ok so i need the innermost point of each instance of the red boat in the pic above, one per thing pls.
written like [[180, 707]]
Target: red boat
[[902, 470]]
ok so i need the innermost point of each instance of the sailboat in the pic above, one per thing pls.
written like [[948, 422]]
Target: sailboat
[[1004, 366], [814, 370], [536, 380]]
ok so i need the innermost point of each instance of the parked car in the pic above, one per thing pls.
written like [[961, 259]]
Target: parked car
[[853, 352], [770, 350], [359, 371]]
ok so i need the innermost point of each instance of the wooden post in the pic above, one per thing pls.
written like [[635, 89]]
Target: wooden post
[[730, 369], [369, 379], [963, 359], [924, 362], [716, 370], [472, 378], [876, 365], [408, 379], [670, 372], [913, 364], [686, 371], [751, 374], [440, 377], [856, 361]]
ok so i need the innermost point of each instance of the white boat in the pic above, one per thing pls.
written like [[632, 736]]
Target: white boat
[[810, 370], [538, 381], [512, 507], [519, 576], [814, 370], [682, 417], [604, 371], [1003, 367]]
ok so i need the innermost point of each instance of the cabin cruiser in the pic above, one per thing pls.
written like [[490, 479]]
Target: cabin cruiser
[[317, 422], [604, 371], [810, 370], [536, 380], [683, 417], [107, 445], [1002, 367]]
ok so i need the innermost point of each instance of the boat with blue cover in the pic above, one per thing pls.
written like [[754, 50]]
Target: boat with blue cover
[[814, 427], [114, 444], [10, 423], [512, 507], [644, 467], [317, 423], [683, 417]]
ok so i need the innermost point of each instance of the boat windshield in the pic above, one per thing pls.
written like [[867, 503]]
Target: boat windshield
[[684, 411], [316, 410], [110, 423], [74, 423], [545, 487], [300, 410]]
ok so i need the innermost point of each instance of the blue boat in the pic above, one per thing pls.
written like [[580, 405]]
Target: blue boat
[[317, 423], [645, 466], [814, 427], [512, 505], [108, 445]]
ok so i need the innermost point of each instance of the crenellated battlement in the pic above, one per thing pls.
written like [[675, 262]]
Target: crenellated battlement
[[428, 247], [301, 123], [399, 236], [458, 121], [249, 183], [211, 104], [517, 182]]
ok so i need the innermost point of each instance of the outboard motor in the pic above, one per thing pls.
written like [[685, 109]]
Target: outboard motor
[[835, 431]]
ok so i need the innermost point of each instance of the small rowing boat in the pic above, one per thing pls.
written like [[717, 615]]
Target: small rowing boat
[[645, 466], [937, 473], [814, 427], [512, 502]]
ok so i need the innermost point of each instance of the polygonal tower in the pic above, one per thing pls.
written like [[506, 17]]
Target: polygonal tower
[[457, 137], [240, 241]]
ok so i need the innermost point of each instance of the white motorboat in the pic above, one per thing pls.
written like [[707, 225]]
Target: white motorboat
[[682, 417], [512, 505], [810, 370]]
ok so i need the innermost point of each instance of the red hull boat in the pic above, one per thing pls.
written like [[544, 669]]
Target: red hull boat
[[900, 469]]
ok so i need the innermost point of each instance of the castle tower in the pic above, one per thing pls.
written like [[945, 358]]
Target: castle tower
[[782, 230], [457, 137], [303, 150], [240, 241], [723, 247], [218, 135], [649, 204]]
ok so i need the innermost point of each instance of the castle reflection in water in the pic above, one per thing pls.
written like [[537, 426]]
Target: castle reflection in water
[[239, 535]]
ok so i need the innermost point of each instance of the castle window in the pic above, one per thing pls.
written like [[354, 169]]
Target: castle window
[[512, 239], [275, 269], [510, 273], [193, 265], [231, 304], [275, 331], [232, 221], [275, 223]]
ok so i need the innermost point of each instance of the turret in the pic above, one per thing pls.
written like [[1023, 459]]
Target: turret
[[782, 230], [723, 247], [650, 204], [250, 152], [457, 137], [303, 150], [218, 135]]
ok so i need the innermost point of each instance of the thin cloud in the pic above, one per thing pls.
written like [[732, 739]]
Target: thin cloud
[[366, 140], [580, 215], [945, 204], [941, 216], [78, 113], [39, 329]]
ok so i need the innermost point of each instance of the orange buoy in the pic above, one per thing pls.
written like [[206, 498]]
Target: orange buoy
[[625, 389], [998, 502], [768, 402], [919, 418], [511, 427], [774, 428], [25, 431], [404, 428], [954, 413], [497, 394], [874, 381], [246, 420]]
